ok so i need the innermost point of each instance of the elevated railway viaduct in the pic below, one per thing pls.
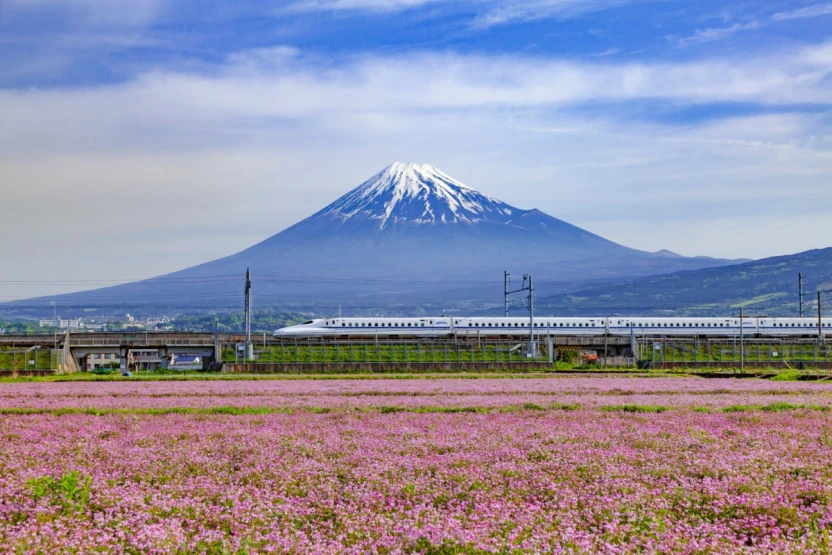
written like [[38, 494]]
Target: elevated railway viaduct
[[75, 348], [71, 352]]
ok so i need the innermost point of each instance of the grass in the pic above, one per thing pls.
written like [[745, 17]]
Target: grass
[[788, 376], [203, 376], [392, 375], [774, 407], [395, 409]]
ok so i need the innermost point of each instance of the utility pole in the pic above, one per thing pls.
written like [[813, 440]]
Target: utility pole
[[249, 348], [527, 286], [532, 346], [217, 352], [506, 279], [800, 292], [820, 319], [55, 314], [742, 344]]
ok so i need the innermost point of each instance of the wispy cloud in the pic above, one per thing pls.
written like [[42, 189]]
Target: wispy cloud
[[91, 12], [359, 5], [261, 86], [513, 11], [815, 10], [714, 34], [485, 13]]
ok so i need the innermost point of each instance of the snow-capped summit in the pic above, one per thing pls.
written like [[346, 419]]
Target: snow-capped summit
[[416, 194]]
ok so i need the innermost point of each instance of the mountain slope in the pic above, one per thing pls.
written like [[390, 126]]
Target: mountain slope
[[409, 230], [767, 286]]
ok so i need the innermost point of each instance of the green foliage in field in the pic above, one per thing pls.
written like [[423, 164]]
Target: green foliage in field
[[71, 491], [788, 376]]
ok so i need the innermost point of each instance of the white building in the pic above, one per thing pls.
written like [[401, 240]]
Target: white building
[[101, 360], [62, 324]]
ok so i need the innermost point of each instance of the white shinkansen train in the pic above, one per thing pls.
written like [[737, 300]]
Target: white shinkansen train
[[543, 325]]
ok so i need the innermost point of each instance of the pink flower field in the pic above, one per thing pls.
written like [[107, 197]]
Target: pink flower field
[[416, 466]]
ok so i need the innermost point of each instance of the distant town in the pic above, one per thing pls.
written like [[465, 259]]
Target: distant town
[[263, 321], [129, 322]]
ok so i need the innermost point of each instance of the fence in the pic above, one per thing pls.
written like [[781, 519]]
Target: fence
[[30, 359], [301, 351], [759, 352]]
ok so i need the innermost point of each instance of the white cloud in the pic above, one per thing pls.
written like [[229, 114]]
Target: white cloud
[[243, 151], [282, 83], [815, 10]]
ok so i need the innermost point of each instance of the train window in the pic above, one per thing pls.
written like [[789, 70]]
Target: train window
[[470, 324]]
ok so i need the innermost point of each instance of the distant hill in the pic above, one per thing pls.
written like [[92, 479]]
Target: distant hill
[[409, 232], [767, 286]]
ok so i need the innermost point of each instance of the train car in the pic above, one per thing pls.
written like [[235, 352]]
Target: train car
[[689, 326], [370, 327], [548, 325], [794, 327]]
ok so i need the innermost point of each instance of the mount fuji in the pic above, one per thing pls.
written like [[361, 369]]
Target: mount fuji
[[410, 231]]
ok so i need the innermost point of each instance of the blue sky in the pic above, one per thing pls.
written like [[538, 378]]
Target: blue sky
[[189, 130]]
